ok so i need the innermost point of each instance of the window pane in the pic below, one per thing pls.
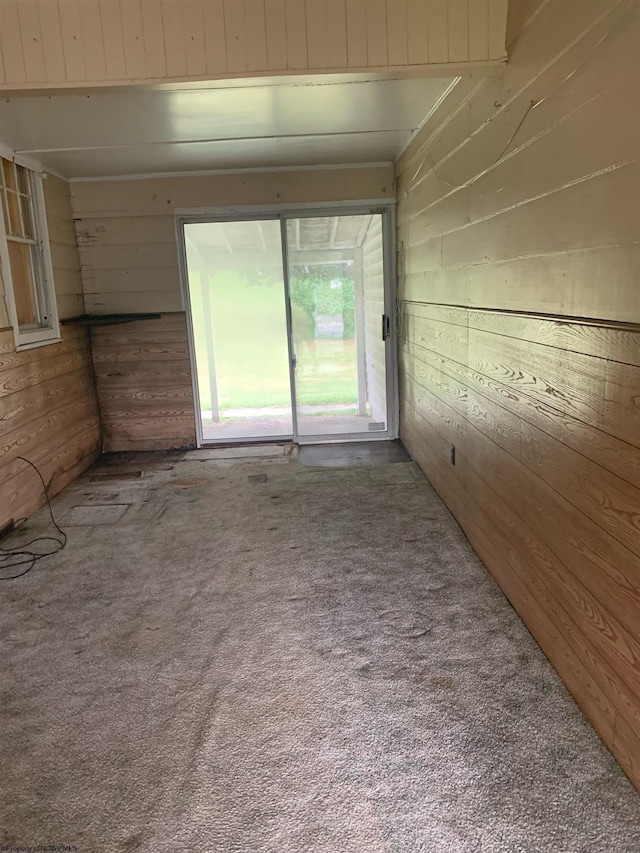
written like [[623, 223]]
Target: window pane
[[23, 180], [14, 226], [33, 293], [27, 217], [17, 203], [9, 174], [24, 286], [5, 210]]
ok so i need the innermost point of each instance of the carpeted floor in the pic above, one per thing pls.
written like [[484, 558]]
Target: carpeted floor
[[250, 655]]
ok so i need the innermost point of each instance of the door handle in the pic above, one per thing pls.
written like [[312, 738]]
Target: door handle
[[386, 326]]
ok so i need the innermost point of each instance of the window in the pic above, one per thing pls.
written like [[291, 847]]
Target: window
[[26, 260]]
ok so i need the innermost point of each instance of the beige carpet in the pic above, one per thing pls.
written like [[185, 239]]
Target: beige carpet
[[253, 656]]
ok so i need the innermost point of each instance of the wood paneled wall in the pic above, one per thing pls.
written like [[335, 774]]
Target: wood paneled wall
[[48, 407], [64, 248], [127, 238], [49, 415], [518, 234], [64, 43], [126, 229], [488, 193], [143, 380]]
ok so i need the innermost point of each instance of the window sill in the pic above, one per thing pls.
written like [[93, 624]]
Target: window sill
[[23, 343]]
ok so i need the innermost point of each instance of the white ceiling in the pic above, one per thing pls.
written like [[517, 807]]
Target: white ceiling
[[272, 122]]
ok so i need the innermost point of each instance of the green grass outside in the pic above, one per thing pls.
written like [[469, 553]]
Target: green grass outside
[[252, 362]]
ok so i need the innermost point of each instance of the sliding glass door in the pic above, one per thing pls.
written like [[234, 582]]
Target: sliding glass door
[[239, 329], [289, 326], [336, 287]]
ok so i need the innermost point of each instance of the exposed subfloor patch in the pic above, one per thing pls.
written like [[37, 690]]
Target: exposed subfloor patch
[[243, 451], [372, 453], [261, 656], [102, 513]]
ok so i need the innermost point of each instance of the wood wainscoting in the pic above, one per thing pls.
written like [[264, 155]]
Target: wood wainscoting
[[49, 415], [544, 413], [143, 381]]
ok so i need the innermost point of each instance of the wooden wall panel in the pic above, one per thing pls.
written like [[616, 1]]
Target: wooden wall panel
[[194, 36], [49, 415], [153, 39], [64, 248], [52, 49], [72, 42], [113, 39], [31, 43], [160, 196], [48, 407], [13, 56], [91, 23], [143, 382], [66, 43], [518, 240]]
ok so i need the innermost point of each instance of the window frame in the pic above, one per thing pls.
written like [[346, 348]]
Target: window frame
[[51, 333]]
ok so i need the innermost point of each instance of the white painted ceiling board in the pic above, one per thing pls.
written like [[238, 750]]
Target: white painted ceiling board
[[134, 117], [326, 121], [273, 152]]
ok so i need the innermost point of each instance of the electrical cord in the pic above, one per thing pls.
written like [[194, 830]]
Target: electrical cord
[[9, 559]]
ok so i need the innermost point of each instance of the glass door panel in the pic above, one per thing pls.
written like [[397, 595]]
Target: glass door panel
[[238, 313], [337, 297]]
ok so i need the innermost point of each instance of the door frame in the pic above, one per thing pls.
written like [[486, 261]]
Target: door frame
[[282, 213]]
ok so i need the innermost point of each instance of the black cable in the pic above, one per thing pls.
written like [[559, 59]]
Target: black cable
[[31, 557]]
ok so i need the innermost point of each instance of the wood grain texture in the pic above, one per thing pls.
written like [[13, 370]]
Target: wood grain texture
[[49, 415], [496, 535], [143, 382], [66, 43], [520, 338]]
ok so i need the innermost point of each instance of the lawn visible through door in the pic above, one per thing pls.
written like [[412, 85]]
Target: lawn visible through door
[[286, 326]]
